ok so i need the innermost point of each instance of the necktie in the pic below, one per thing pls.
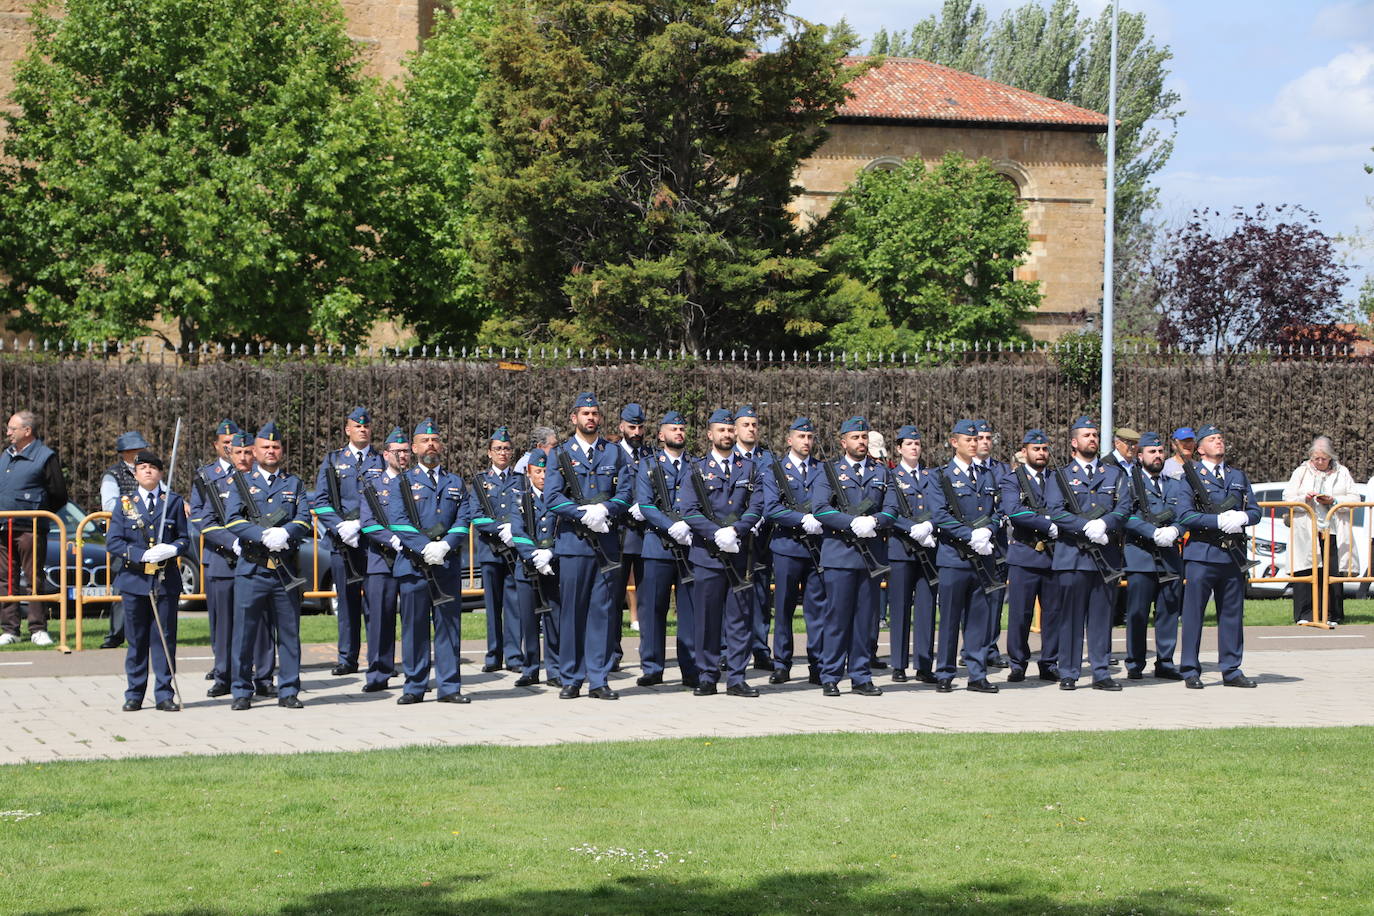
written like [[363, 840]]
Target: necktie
[[152, 503], [433, 478], [271, 479], [677, 465]]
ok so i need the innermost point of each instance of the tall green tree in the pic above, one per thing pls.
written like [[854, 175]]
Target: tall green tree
[[941, 247], [210, 163], [639, 164]]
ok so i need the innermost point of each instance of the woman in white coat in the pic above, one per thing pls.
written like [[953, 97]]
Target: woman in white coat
[[1321, 482]]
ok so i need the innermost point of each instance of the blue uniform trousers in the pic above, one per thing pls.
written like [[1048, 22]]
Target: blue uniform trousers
[[528, 625], [721, 618], [1225, 584], [761, 611], [261, 604], [911, 616], [351, 606], [794, 579], [586, 619], [1085, 602], [995, 602], [851, 619], [219, 608], [629, 563], [417, 613], [963, 606], [145, 644], [379, 591], [498, 594], [1026, 584], [1143, 590], [654, 596]]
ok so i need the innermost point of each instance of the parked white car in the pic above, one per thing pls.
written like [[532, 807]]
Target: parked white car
[[1269, 542]]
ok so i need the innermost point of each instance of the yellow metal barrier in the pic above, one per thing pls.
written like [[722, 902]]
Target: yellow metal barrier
[[1294, 509], [60, 596], [1320, 605], [80, 598]]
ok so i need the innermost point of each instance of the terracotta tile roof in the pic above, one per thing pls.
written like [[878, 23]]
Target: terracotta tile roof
[[908, 89]]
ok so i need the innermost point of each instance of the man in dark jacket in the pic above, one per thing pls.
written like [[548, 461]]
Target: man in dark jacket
[[30, 479]]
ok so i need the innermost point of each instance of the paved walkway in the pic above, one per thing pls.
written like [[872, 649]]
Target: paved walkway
[[67, 708]]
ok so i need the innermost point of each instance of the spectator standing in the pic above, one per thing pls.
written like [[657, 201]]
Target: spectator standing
[[1321, 482]]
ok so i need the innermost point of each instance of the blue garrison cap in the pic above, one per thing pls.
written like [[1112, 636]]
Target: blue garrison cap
[[722, 415], [983, 426], [673, 418], [537, 458], [1185, 432], [1083, 423], [1207, 429], [426, 427], [269, 432], [908, 432], [226, 427], [131, 440], [396, 435], [1150, 440], [500, 434], [854, 425], [360, 415], [1035, 437], [964, 428], [241, 440], [632, 413], [746, 411], [585, 399], [802, 425]]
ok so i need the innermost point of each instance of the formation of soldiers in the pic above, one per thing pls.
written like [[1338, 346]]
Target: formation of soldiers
[[733, 539]]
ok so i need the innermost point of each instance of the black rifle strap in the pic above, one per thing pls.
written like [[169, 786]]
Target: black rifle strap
[[408, 501], [951, 498], [246, 494], [1027, 491], [570, 481]]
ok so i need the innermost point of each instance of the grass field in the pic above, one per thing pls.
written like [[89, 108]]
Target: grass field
[[1237, 821]]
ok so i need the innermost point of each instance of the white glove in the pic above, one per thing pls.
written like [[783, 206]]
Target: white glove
[[636, 513], [348, 532], [351, 541], [865, 526], [395, 543], [1232, 521], [980, 537], [595, 516], [1054, 531], [983, 548], [237, 548], [727, 540], [545, 569], [810, 525], [680, 532], [1165, 537], [504, 533], [434, 552], [1096, 531], [921, 530], [543, 558], [159, 552], [927, 541], [275, 539]]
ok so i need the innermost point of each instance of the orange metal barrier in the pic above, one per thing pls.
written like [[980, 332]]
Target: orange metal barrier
[[1294, 510], [1320, 605], [79, 596], [60, 596]]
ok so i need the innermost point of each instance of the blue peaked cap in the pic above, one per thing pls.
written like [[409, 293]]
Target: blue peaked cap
[[269, 432], [721, 415], [745, 411], [1035, 437], [396, 435], [964, 428], [908, 432], [632, 413], [802, 425], [1083, 423], [854, 425], [673, 418], [426, 427], [1150, 440], [1207, 429], [360, 415]]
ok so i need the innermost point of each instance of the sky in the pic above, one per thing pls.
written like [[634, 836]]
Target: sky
[[1278, 98]]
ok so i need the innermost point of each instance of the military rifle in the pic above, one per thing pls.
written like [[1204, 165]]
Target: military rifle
[[1233, 544], [789, 499], [991, 578], [543, 601], [1035, 502], [1159, 520], [659, 481], [331, 480], [254, 550], [374, 505], [1109, 574], [434, 532], [604, 560], [904, 508], [210, 494], [505, 552], [865, 506], [738, 581]]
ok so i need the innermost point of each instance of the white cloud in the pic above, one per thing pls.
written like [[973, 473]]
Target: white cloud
[[1333, 102]]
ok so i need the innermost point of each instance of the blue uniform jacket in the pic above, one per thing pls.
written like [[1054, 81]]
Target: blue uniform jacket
[[132, 531], [350, 472], [739, 498], [505, 504], [1160, 497], [977, 499], [1203, 534], [444, 506], [787, 535], [656, 521], [219, 557], [603, 479], [537, 532], [375, 534], [632, 533], [287, 492], [1029, 526], [1107, 490], [870, 484], [914, 487]]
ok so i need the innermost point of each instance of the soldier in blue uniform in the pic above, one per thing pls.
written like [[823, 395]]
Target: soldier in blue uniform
[[380, 585], [536, 533], [631, 442], [587, 614], [343, 468], [1086, 598], [748, 445], [260, 598], [1211, 571], [724, 518], [145, 576], [118, 481], [1154, 566], [428, 516], [984, 458], [851, 592], [1030, 560], [910, 587], [964, 505], [503, 487], [795, 546], [663, 577]]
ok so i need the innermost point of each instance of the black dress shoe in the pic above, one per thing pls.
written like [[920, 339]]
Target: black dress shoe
[[866, 689], [998, 660], [375, 686], [1193, 683], [830, 690], [341, 670], [291, 702], [461, 698], [763, 663], [240, 704], [132, 705], [488, 669], [603, 693], [1168, 674], [649, 680], [1017, 676], [168, 706], [1048, 674], [741, 690], [517, 669], [1106, 684], [554, 682], [265, 690], [1240, 680], [944, 686], [209, 675], [780, 676], [218, 690], [983, 686], [899, 675], [527, 680], [1135, 675], [877, 665], [704, 690], [925, 677], [1067, 683], [690, 682], [814, 678], [409, 699], [570, 692], [111, 643]]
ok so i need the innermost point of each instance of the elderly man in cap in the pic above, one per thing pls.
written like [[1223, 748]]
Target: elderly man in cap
[[1184, 444], [537, 574], [1125, 446], [914, 579], [789, 503], [337, 507], [268, 514], [722, 505], [588, 467], [1154, 567], [1030, 559], [661, 485], [632, 421], [1216, 505], [147, 530], [30, 480], [377, 488], [118, 481], [749, 445], [500, 491]]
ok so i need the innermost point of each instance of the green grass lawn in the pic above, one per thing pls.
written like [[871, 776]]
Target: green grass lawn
[[1237, 821]]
